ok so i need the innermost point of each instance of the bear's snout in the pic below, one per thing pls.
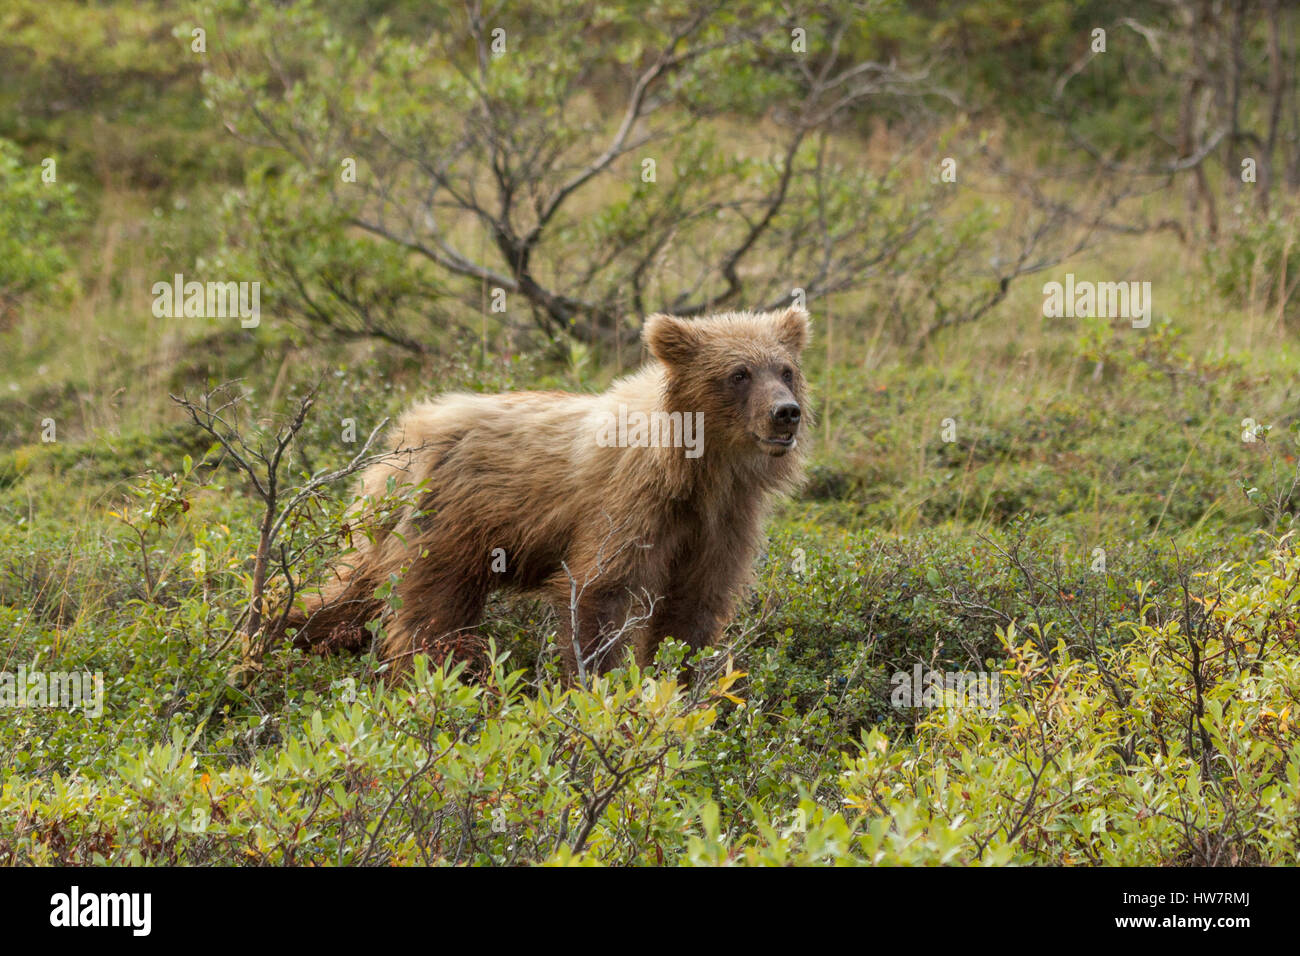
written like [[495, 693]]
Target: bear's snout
[[786, 415]]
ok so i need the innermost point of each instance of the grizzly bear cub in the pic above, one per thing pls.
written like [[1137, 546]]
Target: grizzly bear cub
[[635, 512]]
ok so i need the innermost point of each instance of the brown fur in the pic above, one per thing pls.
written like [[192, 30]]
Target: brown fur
[[524, 472]]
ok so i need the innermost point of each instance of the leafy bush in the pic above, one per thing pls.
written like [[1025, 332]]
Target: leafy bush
[[35, 217], [1253, 265], [1170, 741]]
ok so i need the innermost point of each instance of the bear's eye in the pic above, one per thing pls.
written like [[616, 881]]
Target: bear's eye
[[788, 376], [740, 376]]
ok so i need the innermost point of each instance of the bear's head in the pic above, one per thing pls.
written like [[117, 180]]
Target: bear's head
[[741, 370]]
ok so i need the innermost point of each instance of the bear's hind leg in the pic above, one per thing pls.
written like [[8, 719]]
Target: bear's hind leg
[[439, 609], [334, 619]]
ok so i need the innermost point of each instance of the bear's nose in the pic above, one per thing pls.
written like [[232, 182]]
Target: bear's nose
[[787, 413]]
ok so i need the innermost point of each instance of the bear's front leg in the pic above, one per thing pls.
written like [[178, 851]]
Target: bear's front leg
[[694, 612], [593, 632], [705, 580]]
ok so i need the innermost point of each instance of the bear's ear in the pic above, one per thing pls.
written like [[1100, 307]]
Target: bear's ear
[[671, 340], [793, 328]]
